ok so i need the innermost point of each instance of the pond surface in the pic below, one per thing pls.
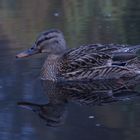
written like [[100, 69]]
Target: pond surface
[[35, 110]]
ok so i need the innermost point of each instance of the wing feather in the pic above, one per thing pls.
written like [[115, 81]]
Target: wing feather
[[91, 62], [103, 72], [71, 62]]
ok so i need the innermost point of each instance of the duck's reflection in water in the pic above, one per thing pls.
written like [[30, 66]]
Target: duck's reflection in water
[[90, 93]]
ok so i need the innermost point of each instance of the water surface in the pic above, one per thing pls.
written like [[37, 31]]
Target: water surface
[[85, 21]]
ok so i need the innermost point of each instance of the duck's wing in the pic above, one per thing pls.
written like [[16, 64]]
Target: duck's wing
[[118, 52], [81, 58], [103, 72]]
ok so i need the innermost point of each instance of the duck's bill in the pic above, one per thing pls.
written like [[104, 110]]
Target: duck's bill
[[27, 53]]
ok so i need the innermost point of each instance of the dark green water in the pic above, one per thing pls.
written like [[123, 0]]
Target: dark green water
[[82, 21]]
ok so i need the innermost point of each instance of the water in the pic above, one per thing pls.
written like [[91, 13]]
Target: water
[[102, 116]]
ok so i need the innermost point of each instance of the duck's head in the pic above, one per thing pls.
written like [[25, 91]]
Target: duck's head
[[50, 42]]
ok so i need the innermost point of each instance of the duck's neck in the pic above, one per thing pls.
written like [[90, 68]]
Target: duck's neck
[[49, 70]]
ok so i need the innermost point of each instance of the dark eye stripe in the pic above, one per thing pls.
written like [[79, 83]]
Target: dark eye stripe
[[44, 39]]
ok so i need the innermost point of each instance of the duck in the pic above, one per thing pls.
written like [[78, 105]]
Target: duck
[[87, 62]]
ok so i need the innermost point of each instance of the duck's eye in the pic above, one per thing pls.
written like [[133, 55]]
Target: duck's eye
[[32, 48]]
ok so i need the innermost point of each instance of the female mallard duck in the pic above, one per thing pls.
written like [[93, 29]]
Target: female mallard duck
[[89, 62]]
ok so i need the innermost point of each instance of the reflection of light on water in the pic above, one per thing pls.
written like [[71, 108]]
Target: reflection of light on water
[[56, 14], [27, 129], [98, 125], [91, 117]]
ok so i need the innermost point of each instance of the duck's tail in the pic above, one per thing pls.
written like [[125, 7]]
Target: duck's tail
[[123, 56], [126, 53]]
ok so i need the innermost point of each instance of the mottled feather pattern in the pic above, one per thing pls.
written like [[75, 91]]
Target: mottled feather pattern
[[98, 48], [76, 60], [102, 72], [85, 63], [109, 49], [49, 69]]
